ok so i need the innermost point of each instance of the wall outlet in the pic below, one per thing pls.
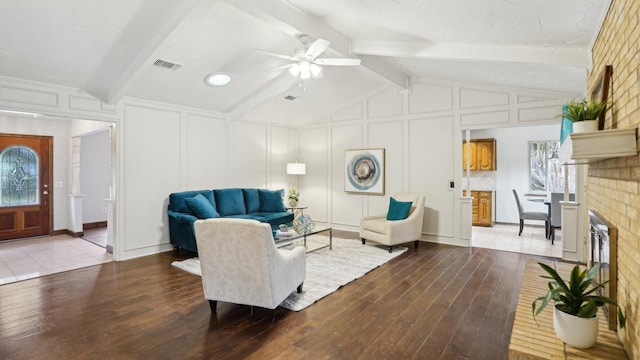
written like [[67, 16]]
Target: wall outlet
[[59, 184], [104, 210]]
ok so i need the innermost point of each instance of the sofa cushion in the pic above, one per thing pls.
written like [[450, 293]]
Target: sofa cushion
[[271, 201], [398, 210], [376, 225], [229, 201], [251, 200], [177, 200], [201, 207], [275, 218], [246, 216]]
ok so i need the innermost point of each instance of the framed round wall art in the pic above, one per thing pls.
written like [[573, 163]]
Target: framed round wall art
[[364, 171]]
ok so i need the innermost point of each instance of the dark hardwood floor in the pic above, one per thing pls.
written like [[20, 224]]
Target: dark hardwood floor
[[441, 302]]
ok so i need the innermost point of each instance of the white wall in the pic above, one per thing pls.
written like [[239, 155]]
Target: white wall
[[161, 148], [422, 133], [164, 149], [95, 175]]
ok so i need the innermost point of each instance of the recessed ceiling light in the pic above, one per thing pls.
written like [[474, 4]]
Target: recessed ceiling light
[[217, 79]]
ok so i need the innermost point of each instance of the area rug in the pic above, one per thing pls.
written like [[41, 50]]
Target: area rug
[[327, 270]]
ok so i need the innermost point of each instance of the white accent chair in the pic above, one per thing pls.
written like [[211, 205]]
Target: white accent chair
[[241, 264], [392, 232]]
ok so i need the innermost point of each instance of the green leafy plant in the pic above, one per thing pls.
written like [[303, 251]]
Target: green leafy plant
[[294, 194], [577, 297], [583, 110]]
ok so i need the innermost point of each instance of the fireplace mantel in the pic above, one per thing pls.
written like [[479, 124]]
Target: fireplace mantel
[[587, 147]]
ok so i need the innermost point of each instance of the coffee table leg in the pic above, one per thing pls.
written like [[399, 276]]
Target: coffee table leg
[[330, 239]]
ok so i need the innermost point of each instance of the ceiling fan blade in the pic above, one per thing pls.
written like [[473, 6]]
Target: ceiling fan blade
[[338, 62], [283, 67], [275, 54], [317, 48]]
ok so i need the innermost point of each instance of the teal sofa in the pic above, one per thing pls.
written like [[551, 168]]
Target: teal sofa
[[241, 203]]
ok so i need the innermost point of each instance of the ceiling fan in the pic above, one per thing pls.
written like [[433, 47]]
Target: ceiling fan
[[305, 62]]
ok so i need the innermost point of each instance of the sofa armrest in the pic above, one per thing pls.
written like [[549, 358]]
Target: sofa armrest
[[181, 217]]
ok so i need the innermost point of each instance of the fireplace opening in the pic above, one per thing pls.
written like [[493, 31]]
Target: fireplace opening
[[604, 245]]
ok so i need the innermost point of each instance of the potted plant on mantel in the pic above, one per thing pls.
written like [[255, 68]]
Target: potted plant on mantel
[[576, 305], [584, 114]]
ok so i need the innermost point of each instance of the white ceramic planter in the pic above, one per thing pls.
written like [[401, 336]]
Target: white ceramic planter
[[585, 126], [575, 331]]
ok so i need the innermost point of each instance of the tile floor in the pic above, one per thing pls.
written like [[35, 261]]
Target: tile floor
[[505, 237], [34, 257]]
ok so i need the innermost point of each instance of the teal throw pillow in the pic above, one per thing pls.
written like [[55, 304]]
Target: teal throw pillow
[[271, 201], [398, 210], [201, 207], [251, 200], [229, 201]]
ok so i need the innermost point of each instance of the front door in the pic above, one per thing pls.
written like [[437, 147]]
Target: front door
[[25, 178]]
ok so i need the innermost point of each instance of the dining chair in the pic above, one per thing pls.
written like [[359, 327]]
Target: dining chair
[[534, 215]]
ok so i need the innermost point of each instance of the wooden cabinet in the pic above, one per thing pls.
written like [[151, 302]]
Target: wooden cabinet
[[472, 155], [481, 207], [482, 155], [485, 203]]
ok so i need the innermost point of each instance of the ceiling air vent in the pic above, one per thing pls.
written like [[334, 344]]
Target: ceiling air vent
[[290, 97], [167, 64]]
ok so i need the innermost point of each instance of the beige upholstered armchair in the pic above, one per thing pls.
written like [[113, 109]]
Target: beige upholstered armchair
[[241, 264], [392, 232]]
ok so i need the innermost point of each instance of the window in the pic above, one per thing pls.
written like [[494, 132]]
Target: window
[[19, 167], [546, 174]]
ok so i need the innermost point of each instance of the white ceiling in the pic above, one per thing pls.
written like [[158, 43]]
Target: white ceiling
[[108, 48]]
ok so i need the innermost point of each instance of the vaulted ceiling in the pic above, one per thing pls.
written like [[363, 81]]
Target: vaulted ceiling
[[108, 48]]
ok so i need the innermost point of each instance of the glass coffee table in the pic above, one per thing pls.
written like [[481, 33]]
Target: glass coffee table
[[288, 241]]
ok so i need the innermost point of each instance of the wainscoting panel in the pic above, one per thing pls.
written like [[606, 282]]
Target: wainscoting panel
[[151, 172], [429, 98], [384, 104], [205, 152], [430, 167], [351, 112]]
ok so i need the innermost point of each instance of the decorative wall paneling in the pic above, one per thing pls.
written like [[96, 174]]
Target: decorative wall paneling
[[193, 150], [346, 209], [421, 132], [316, 183], [151, 171], [160, 148], [53, 100]]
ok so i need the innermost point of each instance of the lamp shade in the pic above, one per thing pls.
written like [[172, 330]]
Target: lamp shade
[[296, 168]]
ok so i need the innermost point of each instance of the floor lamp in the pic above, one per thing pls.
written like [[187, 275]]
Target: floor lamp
[[296, 169]]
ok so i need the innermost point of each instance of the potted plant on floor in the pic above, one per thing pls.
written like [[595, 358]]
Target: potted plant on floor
[[576, 305], [294, 196], [584, 114]]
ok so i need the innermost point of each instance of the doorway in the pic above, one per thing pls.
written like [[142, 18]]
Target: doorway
[[94, 183], [25, 195], [512, 171]]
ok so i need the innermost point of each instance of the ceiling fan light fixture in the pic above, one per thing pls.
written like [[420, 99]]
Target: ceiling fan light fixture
[[316, 71], [218, 79], [295, 70], [305, 70]]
